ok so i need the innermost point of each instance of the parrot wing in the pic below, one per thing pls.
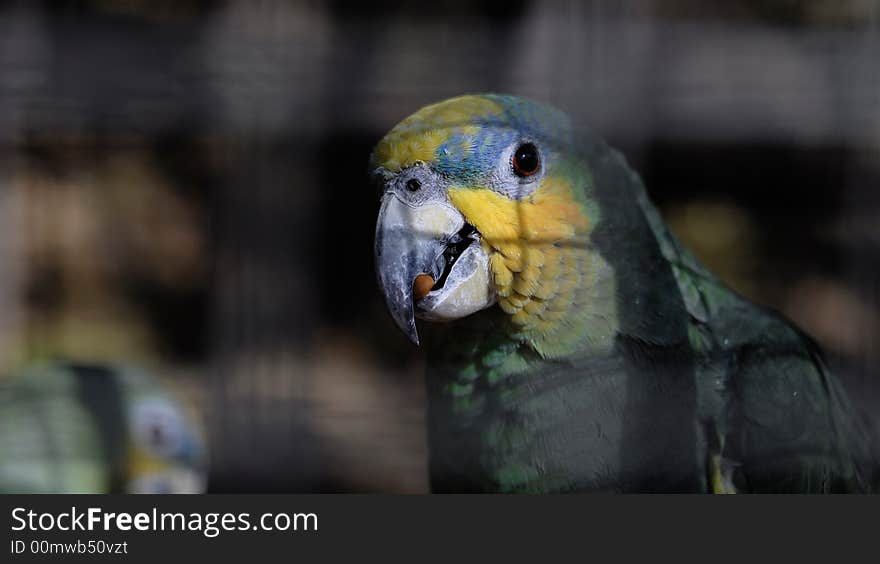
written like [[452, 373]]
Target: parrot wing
[[774, 417]]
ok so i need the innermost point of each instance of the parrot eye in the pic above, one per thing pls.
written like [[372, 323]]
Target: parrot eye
[[526, 160], [158, 428]]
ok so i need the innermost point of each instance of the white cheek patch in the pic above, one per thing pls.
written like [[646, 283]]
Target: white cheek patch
[[466, 291], [158, 426], [431, 221], [438, 220]]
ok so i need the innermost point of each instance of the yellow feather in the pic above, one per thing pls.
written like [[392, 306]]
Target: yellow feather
[[518, 300], [525, 285], [546, 288], [535, 307], [520, 237], [522, 317], [509, 306], [502, 276]]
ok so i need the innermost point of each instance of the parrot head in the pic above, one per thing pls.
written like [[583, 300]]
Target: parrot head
[[482, 204], [75, 427], [165, 452]]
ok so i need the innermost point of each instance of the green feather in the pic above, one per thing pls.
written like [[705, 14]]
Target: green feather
[[700, 390]]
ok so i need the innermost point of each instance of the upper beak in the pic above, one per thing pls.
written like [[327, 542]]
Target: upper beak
[[410, 239]]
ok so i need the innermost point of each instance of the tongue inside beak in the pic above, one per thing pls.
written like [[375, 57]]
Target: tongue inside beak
[[422, 286]]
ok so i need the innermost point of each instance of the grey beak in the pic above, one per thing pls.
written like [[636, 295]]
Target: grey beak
[[404, 249]]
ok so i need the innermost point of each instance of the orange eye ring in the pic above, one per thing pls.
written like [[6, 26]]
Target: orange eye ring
[[526, 160]]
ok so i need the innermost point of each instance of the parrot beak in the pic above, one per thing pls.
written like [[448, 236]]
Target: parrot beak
[[429, 244], [407, 248]]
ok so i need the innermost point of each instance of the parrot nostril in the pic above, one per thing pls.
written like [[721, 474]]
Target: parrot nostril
[[413, 185]]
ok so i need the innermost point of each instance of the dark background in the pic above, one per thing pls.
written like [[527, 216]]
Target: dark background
[[182, 185]]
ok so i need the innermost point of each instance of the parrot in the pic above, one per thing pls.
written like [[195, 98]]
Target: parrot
[[573, 343], [95, 428]]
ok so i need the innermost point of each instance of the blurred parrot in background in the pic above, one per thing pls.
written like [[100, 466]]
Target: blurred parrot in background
[[75, 428], [583, 348]]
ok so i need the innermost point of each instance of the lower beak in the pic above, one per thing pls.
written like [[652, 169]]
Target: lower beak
[[410, 240]]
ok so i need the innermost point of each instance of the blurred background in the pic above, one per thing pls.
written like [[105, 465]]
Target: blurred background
[[182, 186]]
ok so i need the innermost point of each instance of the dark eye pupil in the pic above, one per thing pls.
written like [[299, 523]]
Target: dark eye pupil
[[526, 160]]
